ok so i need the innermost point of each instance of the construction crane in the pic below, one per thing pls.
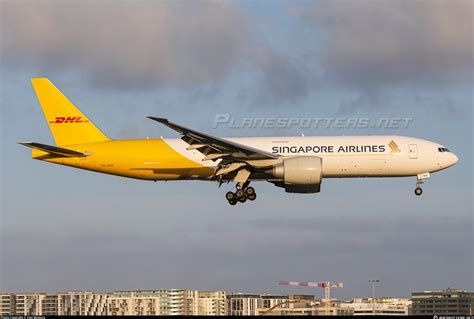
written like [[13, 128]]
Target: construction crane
[[326, 285]]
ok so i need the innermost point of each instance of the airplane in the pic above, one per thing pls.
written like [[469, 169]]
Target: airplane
[[296, 163]]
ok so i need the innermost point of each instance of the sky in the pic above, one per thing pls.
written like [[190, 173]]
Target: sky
[[68, 229]]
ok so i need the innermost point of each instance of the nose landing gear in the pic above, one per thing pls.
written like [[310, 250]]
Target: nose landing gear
[[241, 195], [418, 191], [420, 180]]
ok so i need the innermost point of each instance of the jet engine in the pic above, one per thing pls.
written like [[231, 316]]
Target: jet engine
[[300, 174]]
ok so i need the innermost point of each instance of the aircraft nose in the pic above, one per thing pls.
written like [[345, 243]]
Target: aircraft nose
[[453, 159]]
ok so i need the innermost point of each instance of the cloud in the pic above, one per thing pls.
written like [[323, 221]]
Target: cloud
[[146, 44], [373, 45], [128, 43], [282, 77], [368, 46]]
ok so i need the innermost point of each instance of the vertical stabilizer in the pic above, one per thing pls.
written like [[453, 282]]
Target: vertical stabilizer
[[67, 124]]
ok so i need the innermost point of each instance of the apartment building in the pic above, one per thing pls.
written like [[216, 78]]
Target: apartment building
[[53, 304], [20, 304], [378, 306], [193, 302], [7, 303], [82, 303], [451, 302], [305, 305], [167, 302], [332, 308], [133, 303], [119, 303], [208, 303], [355, 307], [241, 304]]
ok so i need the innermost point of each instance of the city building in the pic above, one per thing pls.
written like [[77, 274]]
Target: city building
[[84, 303], [332, 308], [50, 305], [279, 311], [377, 306], [451, 302], [207, 303], [7, 303], [240, 304], [167, 302], [173, 302], [302, 298], [21, 304], [119, 303], [309, 307], [69, 303], [130, 303]]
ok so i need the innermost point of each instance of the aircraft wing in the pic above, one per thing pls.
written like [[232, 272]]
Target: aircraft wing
[[213, 147], [239, 161]]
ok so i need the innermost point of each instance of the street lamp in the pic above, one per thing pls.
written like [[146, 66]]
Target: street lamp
[[373, 281]]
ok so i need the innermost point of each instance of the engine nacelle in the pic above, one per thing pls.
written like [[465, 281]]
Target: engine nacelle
[[301, 174]]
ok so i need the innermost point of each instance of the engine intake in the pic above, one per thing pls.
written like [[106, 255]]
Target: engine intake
[[301, 174]]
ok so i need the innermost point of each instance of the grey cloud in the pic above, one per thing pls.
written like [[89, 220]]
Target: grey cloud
[[146, 44], [378, 44], [369, 45], [282, 77], [128, 43]]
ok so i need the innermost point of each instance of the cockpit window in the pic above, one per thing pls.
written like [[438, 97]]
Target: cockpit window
[[442, 149]]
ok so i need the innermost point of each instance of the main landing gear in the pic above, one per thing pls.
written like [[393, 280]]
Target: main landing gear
[[241, 195], [420, 180]]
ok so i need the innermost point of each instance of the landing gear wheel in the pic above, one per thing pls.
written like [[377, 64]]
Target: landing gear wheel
[[418, 191], [240, 194], [249, 191], [252, 197], [231, 198]]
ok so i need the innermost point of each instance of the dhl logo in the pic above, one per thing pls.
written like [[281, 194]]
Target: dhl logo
[[393, 147], [69, 119]]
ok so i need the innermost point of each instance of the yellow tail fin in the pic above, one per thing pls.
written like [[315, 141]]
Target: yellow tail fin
[[67, 124]]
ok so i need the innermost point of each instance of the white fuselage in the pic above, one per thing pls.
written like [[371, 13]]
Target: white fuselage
[[348, 156]]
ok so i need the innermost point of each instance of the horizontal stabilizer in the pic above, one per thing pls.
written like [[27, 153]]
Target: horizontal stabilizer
[[54, 149]]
